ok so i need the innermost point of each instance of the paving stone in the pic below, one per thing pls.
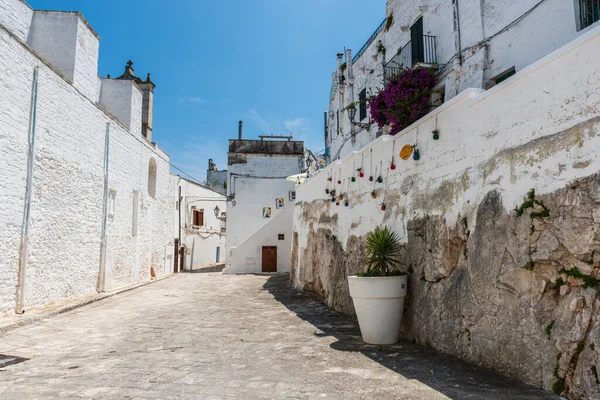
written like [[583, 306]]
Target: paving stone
[[212, 336]]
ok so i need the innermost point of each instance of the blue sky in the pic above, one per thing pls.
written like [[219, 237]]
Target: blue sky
[[266, 62]]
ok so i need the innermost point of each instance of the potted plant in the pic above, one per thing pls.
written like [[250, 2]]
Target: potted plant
[[378, 294]]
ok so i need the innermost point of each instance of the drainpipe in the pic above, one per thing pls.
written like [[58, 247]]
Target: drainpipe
[[457, 39], [28, 192], [179, 247], [102, 271]]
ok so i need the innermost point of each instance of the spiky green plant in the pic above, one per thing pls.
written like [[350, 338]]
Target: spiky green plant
[[382, 253]]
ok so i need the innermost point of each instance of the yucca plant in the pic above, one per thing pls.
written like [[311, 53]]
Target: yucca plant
[[382, 253]]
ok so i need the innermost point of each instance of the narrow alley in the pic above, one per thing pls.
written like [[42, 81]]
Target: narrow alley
[[212, 336]]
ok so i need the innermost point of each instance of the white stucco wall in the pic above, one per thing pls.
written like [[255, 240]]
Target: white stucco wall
[[489, 48], [66, 211], [53, 35], [247, 257], [117, 96], [256, 184], [201, 242], [15, 15], [478, 130]]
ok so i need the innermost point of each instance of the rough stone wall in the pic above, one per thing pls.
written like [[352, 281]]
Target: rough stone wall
[[512, 290], [66, 212]]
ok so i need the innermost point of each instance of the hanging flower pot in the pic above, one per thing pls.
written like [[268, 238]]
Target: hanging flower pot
[[436, 134], [330, 179], [337, 203], [353, 179], [370, 179], [383, 207], [416, 155], [373, 195], [333, 199], [379, 179], [326, 191], [341, 197], [392, 166], [339, 182], [346, 203]]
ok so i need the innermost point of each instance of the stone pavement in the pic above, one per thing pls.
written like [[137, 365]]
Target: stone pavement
[[212, 336]]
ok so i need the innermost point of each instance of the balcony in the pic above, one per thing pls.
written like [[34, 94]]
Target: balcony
[[415, 54]]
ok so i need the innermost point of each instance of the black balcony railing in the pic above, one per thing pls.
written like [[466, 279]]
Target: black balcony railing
[[371, 39], [589, 12], [413, 53]]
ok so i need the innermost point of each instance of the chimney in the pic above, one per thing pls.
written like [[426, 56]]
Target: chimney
[[349, 64], [147, 88], [240, 131]]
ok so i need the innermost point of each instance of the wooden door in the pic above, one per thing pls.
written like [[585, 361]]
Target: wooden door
[[269, 259], [176, 257]]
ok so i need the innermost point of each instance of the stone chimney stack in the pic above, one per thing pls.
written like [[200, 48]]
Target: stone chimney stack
[[147, 88]]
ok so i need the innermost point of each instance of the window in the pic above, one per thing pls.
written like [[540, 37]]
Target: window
[[197, 217], [362, 107], [505, 75], [112, 195], [152, 178], [134, 222], [281, 236], [589, 12]]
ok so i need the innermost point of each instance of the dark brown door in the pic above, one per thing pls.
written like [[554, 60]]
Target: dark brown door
[[269, 259], [176, 256]]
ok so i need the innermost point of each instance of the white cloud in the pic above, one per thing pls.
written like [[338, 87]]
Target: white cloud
[[191, 100], [262, 123]]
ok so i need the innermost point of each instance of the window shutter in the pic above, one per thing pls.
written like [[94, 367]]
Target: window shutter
[[362, 108]]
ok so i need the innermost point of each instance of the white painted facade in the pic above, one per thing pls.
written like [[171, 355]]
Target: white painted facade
[[255, 182], [475, 43], [204, 244], [478, 151], [65, 229]]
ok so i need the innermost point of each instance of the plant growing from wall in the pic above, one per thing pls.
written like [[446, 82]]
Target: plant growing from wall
[[380, 48], [404, 100], [389, 22], [382, 253]]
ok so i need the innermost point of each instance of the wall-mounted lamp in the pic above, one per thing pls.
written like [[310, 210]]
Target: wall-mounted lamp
[[352, 116]]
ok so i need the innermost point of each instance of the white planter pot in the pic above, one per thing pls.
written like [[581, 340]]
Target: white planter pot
[[379, 305]]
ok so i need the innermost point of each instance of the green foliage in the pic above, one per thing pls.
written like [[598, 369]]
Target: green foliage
[[531, 202], [560, 282], [559, 386], [343, 67], [549, 328], [574, 272], [382, 252], [389, 21], [530, 266], [592, 346], [380, 47]]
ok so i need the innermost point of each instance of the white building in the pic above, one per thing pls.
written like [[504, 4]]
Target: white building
[[199, 225], [260, 203], [86, 197], [216, 179], [469, 44]]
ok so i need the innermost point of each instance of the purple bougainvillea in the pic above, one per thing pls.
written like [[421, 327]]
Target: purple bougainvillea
[[404, 100]]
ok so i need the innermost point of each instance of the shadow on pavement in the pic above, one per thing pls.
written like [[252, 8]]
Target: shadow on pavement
[[446, 374], [210, 268]]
